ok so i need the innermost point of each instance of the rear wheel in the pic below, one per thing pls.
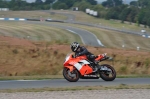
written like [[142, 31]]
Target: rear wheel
[[71, 76], [107, 72]]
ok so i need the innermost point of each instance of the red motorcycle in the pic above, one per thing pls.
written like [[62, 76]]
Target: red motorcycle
[[81, 67]]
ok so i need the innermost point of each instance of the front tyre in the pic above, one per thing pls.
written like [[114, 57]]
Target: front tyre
[[71, 76], [107, 72]]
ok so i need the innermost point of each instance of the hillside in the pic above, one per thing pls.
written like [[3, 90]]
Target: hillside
[[27, 58], [43, 53]]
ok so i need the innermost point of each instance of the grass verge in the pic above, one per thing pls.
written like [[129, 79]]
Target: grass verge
[[121, 86], [42, 77]]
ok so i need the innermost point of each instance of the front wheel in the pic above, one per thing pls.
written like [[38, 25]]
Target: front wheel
[[71, 76], [107, 72]]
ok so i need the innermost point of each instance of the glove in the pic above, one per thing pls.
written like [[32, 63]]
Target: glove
[[78, 54], [104, 55]]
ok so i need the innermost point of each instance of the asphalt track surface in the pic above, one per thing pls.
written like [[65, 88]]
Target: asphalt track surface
[[61, 83], [87, 37]]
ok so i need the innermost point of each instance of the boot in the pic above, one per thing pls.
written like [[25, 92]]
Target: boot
[[95, 69], [95, 62]]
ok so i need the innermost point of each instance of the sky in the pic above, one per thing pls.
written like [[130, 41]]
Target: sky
[[99, 1]]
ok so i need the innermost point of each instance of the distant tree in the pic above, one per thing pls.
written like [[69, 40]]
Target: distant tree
[[38, 1], [141, 16], [118, 2], [112, 3], [69, 3], [49, 1], [134, 3], [148, 22], [113, 13], [99, 8], [60, 5], [124, 14], [3, 4], [108, 3], [83, 5], [92, 2], [144, 3], [131, 17]]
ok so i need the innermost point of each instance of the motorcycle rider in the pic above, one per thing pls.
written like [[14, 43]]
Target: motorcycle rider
[[81, 50]]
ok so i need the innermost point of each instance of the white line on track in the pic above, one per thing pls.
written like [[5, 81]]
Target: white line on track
[[17, 80], [99, 42], [71, 31], [76, 33]]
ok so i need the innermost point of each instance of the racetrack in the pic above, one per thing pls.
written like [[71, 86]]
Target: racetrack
[[59, 83], [86, 37]]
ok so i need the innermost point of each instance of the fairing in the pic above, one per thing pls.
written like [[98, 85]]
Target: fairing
[[80, 63]]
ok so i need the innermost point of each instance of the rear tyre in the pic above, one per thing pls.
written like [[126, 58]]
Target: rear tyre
[[71, 76], [108, 76]]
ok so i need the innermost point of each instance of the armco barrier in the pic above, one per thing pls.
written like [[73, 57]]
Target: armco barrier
[[13, 19], [19, 19], [55, 21], [33, 19]]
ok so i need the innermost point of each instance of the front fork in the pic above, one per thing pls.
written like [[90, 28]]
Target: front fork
[[71, 68], [70, 71]]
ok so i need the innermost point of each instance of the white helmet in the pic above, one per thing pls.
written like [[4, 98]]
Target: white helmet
[[74, 46]]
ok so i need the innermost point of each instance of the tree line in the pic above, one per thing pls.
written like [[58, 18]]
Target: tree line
[[23, 5], [137, 11]]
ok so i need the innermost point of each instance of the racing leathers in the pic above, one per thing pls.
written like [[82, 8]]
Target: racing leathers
[[83, 51]]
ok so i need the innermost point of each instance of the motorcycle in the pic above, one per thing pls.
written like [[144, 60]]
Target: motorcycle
[[76, 67]]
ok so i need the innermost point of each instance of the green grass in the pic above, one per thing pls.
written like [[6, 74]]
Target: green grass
[[113, 39], [42, 77], [35, 77], [31, 14], [83, 17], [36, 32], [118, 87], [80, 16]]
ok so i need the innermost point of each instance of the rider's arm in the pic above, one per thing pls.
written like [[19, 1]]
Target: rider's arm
[[83, 51]]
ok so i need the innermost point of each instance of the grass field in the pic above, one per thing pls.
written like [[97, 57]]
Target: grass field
[[46, 56], [90, 88], [83, 17], [113, 39], [80, 16], [48, 60], [30, 14], [110, 39], [36, 32]]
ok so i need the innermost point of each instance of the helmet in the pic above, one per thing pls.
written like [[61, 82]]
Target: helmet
[[74, 46]]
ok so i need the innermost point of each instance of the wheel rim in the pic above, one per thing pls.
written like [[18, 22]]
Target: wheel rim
[[71, 75], [109, 74]]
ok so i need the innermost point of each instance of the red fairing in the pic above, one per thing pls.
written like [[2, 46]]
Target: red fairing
[[71, 60], [99, 57], [73, 63]]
